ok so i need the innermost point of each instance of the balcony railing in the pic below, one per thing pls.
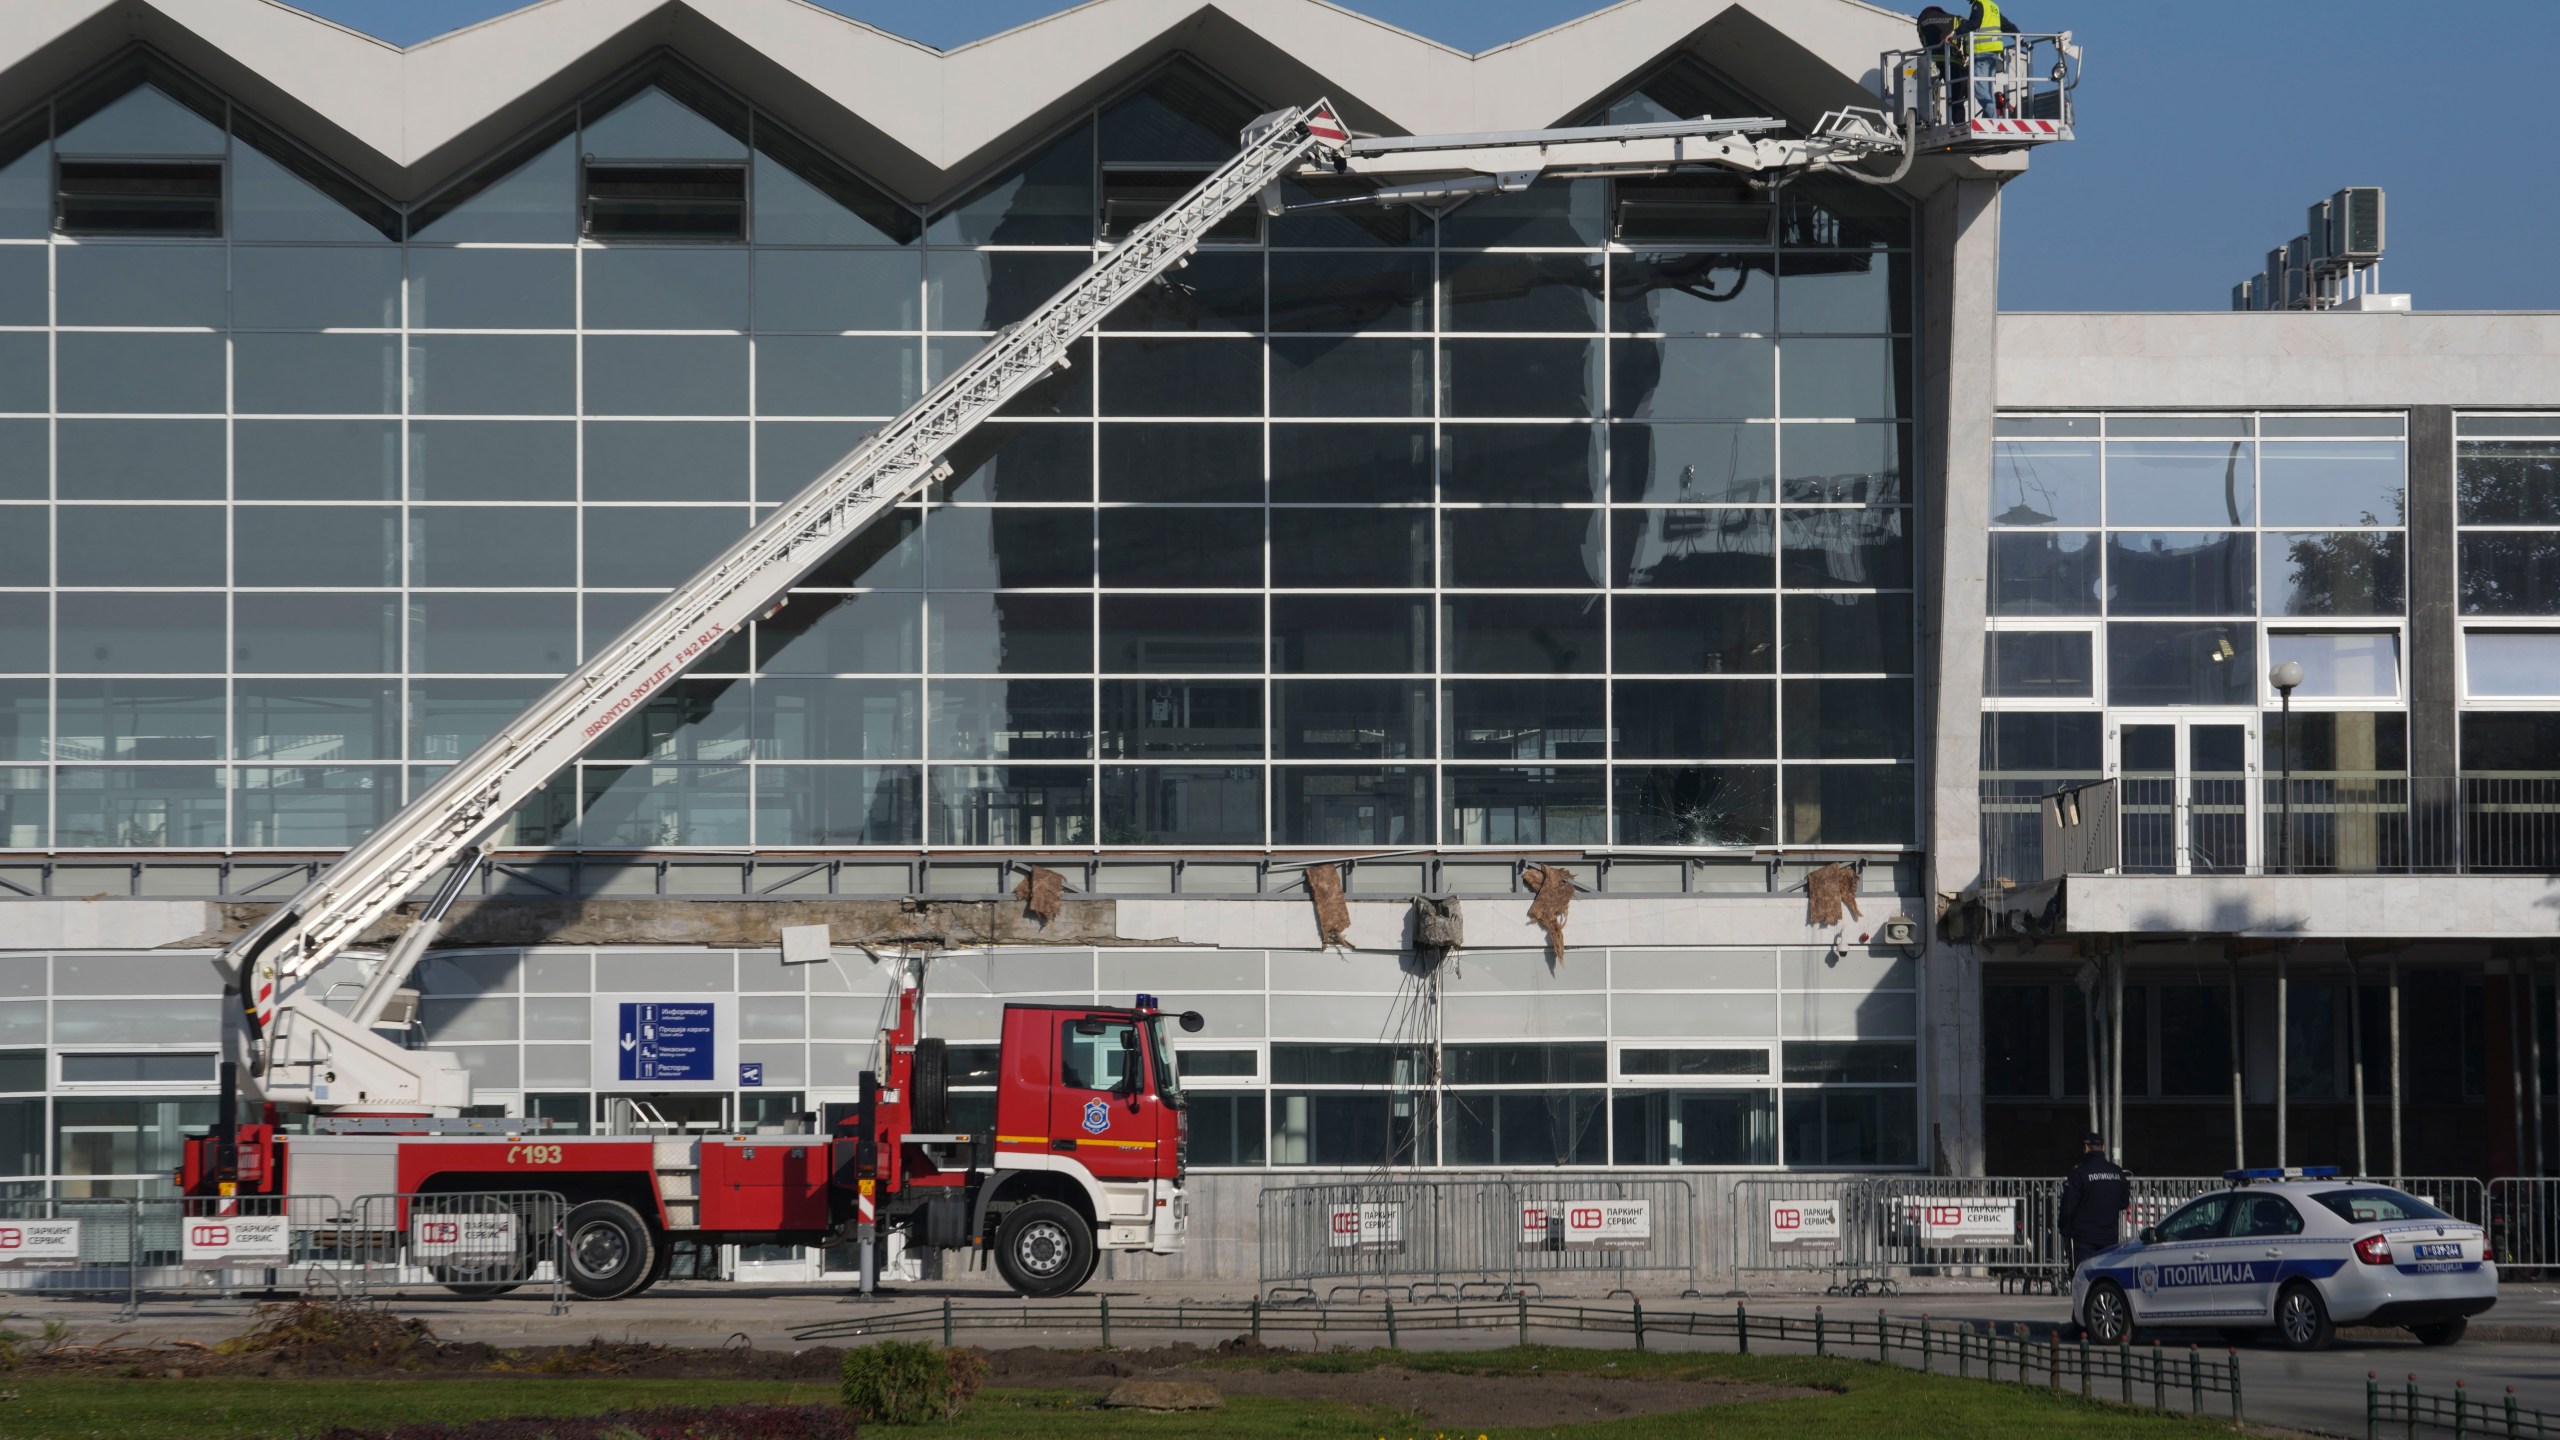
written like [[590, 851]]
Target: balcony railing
[[2336, 823]]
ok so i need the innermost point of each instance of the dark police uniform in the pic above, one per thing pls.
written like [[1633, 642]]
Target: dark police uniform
[[2094, 1198]]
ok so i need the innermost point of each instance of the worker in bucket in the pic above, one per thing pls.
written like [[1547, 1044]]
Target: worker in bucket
[[1937, 25], [2095, 1196], [1987, 30]]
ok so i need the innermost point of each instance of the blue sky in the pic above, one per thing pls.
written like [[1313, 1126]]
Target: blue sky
[[2206, 128]]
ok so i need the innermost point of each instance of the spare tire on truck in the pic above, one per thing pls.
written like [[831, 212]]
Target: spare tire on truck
[[929, 1078]]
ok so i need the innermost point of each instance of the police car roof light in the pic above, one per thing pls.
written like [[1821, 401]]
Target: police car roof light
[[2294, 1172]]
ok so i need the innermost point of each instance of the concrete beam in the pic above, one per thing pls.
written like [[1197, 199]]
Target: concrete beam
[[2315, 906], [2205, 361], [103, 924]]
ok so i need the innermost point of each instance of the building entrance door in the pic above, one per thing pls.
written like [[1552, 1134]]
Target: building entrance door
[[2187, 792]]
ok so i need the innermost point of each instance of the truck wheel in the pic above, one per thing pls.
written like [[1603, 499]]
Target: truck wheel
[[657, 1272], [609, 1251], [1044, 1249], [457, 1278], [930, 1078]]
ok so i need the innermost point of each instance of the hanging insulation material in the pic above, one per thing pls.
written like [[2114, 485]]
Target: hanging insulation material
[[1333, 913], [1438, 926], [1827, 890], [1553, 886], [1040, 892]]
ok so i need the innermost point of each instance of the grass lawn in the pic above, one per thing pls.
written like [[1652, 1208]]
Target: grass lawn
[[1866, 1402]]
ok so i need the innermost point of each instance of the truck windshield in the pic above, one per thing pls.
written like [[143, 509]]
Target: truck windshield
[[1160, 1055]]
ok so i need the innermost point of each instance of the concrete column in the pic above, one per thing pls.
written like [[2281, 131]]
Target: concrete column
[[1960, 307]]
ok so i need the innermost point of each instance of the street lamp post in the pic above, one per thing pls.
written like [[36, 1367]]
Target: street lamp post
[[2285, 676]]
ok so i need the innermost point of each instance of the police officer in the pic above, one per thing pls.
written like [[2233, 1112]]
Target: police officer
[[1988, 30], [2094, 1199]]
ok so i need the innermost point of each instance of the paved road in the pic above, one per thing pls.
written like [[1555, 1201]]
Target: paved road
[[2324, 1392]]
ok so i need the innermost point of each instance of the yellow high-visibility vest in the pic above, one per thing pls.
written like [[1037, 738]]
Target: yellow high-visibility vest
[[1986, 39]]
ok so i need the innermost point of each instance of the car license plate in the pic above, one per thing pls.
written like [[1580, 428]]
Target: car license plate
[[2448, 1250]]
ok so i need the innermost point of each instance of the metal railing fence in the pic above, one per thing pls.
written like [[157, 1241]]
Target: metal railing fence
[[2140, 1375], [1451, 1238], [131, 1250], [2406, 1411]]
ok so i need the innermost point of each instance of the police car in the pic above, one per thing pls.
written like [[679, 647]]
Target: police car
[[2298, 1252]]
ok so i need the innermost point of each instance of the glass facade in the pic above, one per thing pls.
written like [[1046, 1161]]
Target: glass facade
[[1578, 516]]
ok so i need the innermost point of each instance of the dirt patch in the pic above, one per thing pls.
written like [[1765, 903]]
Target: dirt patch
[[1484, 1402]]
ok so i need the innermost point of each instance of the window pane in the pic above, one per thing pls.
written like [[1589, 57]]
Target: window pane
[[2206, 664], [838, 805], [137, 374], [1379, 464], [489, 547], [827, 375], [2044, 574], [1848, 634], [1695, 720], [140, 459], [1350, 292], [791, 456], [143, 121], [493, 375], [1700, 549], [1181, 805], [1694, 634], [1547, 806], [316, 374], [1046, 200], [803, 198], [1521, 634], [1695, 1127], [654, 125], [1524, 720], [2180, 484], [1561, 1128], [1351, 634], [25, 633], [1010, 720], [317, 459], [1692, 464], [1848, 804], [1720, 806], [1181, 634], [2039, 664], [1851, 1062], [449, 719], [473, 460], [1692, 379], [1192, 548], [1570, 213], [140, 719], [2340, 664], [666, 202], [632, 806], [1843, 464], [1521, 463], [2349, 572], [135, 285], [2180, 573], [492, 289], [672, 375], [1010, 634], [1517, 292], [1213, 292], [2508, 482], [138, 808], [678, 460], [836, 719], [272, 202], [2044, 484], [2334, 482], [315, 632], [656, 547], [1847, 719], [535, 201], [1179, 720], [1522, 549], [988, 290], [140, 634], [312, 806], [1847, 379], [1350, 377], [841, 634], [653, 287], [1352, 719], [1340, 549], [837, 289], [2511, 573], [26, 460], [1693, 294], [1518, 379], [1174, 462], [314, 287], [26, 732], [1846, 294], [26, 547], [1330, 805], [1012, 547], [1010, 805], [492, 634], [1181, 377]]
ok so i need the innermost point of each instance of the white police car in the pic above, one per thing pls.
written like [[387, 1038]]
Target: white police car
[[2298, 1252]]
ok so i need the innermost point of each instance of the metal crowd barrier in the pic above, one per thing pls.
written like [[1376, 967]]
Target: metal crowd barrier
[[2524, 1225], [2007, 1225], [1813, 1225], [1455, 1238], [132, 1249]]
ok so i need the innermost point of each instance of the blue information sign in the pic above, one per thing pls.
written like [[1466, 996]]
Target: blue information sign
[[667, 1042]]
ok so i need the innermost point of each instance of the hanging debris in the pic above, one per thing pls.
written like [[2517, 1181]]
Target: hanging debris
[[1438, 927], [1040, 892], [1333, 913], [1553, 887], [1828, 889]]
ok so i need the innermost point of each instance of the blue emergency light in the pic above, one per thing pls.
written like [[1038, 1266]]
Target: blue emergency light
[[1146, 1002], [2295, 1172]]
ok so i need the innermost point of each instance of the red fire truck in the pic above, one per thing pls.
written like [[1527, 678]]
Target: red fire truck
[[1086, 1155]]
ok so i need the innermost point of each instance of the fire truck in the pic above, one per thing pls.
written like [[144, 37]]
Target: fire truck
[[1086, 1153]]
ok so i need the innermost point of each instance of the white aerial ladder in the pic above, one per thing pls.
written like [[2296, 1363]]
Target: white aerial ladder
[[298, 1052]]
